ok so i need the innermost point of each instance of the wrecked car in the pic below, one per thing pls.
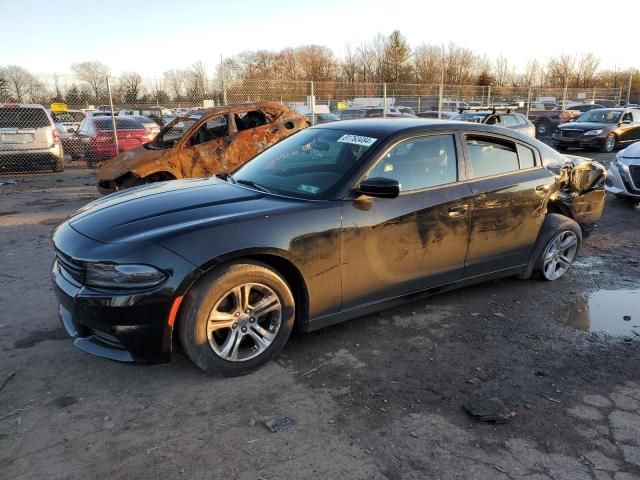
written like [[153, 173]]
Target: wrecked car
[[340, 220], [202, 144]]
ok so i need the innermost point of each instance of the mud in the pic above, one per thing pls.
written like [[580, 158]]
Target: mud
[[379, 397]]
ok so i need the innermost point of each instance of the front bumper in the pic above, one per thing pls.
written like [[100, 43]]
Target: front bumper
[[124, 326], [620, 184], [583, 141]]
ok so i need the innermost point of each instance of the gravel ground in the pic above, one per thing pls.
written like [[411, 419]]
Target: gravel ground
[[381, 396]]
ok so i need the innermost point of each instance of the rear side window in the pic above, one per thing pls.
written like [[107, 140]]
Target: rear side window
[[491, 156], [522, 119], [509, 121], [22, 117], [526, 156], [121, 124]]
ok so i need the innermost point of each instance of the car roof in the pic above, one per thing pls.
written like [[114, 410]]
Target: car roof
[[383, 128]]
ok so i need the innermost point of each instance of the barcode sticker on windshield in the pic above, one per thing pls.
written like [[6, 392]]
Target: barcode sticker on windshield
[[308, 188], [357, 140]]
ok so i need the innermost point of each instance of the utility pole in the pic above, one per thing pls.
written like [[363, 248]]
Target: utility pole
[[224, 86]]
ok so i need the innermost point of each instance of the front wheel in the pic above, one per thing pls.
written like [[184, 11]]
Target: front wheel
[[609, 143], [236, 319]]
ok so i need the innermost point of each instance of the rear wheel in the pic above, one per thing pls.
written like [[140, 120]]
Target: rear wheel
[[236, 319], [543, 127]]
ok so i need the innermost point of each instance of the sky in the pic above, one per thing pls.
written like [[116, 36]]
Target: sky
[[153, 36]]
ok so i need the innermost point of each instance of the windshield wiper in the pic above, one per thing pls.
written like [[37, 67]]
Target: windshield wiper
[[251, 183]]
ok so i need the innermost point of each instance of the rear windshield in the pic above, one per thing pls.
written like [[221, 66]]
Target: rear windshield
[[121, 124], [23, 117]]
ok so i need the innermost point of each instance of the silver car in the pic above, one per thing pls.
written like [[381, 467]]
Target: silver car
[[508, 119], [623, 175], [28, 139]]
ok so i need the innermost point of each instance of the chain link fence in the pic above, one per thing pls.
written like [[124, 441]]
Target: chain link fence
[[56, 122]]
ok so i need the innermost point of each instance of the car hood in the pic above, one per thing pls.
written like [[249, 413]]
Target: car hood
[[138, 161], [587, 126], [150, 212], [632, 152]]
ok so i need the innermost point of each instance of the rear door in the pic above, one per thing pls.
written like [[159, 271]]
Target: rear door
[[510, 187], [209, 149], [392, 247], [256, 131]]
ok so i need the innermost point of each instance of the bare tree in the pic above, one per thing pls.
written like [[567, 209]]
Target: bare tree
[[561, 71], [175, 80], [94, 74], [130, 86], [20, 81], [4, 85], [502, 72], [197, 81], [585, 72], [428, 63], [349, 64], [316, 63]]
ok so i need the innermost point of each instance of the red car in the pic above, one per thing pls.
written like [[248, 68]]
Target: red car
[[98, 143]]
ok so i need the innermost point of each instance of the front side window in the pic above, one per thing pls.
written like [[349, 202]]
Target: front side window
[[212, 129], [491, 156], [420, 162]]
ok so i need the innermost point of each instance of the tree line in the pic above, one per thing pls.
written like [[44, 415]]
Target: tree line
[[384, 58]]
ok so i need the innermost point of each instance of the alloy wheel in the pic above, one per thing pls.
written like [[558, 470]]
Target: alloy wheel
[[559, 255], [610, 143], [244, 322]]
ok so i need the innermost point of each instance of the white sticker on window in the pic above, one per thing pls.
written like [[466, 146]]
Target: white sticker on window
[[309, 189], [357, 140]]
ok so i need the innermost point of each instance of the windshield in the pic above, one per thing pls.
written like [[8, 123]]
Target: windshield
[[309, 164], [470, 117], [172, 132], [600, 116]]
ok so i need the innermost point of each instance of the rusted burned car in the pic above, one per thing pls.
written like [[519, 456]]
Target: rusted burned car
[[340, 220], [202, 144]]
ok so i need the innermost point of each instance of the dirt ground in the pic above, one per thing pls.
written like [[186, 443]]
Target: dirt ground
[[378, 397]]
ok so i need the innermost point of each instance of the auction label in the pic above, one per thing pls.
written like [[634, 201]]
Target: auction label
[[357, 140]]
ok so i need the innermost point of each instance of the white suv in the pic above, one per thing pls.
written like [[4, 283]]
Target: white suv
[[28, 139]]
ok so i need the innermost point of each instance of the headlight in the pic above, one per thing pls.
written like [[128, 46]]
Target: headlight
[[593, 132], [110, 275]]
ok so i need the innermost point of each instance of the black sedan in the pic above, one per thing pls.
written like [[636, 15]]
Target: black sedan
[[601, 128], [335, 222]]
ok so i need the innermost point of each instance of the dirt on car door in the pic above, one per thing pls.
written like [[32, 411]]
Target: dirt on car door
[[510, 189], [210, 149], [392, 247]]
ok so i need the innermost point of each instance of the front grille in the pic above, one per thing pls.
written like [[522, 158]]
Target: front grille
[[107, 339], [634, 173], [73, 268], [571, 133]]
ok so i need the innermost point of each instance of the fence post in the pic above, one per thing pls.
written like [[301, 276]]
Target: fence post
[[593, 98], [312, 100], [629, 89], [564, 101], [528, 101], [224, 82], [113, 118], [619, 96], [420, 97], [384, 100], [489, 96]]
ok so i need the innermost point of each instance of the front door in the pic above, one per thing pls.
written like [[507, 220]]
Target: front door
[[510, 189], [392, 247], [209, 149]]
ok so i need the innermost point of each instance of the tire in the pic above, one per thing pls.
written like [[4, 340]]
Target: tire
[[554, 227], [231, 348], [542, 128], [610, 143]]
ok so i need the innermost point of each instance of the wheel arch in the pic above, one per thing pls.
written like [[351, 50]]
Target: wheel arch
[[278, 260]]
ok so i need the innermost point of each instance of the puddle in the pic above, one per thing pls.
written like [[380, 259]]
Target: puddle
[[616, 312]]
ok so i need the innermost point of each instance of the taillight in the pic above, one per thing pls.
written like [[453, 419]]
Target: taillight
[[56, 135]]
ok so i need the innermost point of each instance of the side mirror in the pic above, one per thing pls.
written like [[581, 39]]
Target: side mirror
[[379, 187], [626, 122]]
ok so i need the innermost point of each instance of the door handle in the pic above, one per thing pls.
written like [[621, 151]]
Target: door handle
[[542, 188], [457, 211]]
